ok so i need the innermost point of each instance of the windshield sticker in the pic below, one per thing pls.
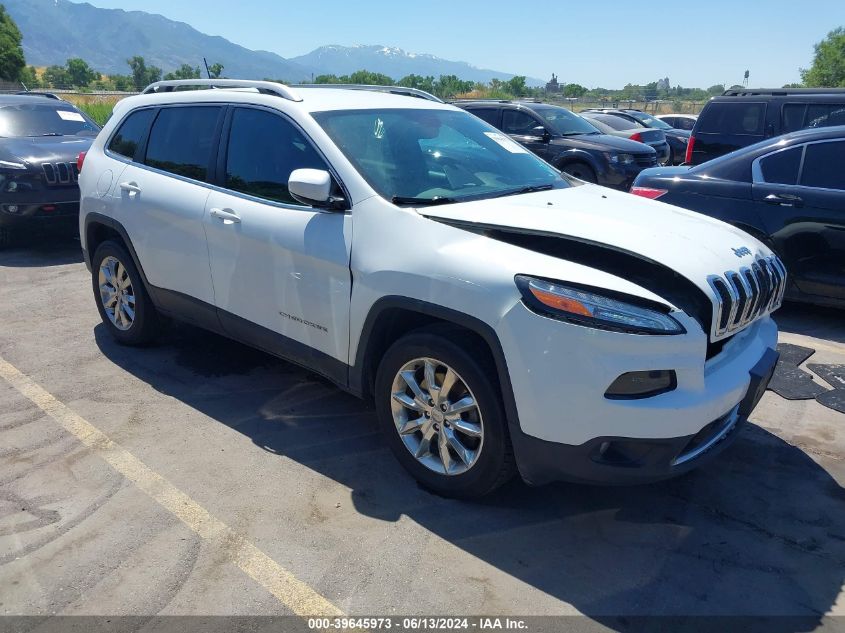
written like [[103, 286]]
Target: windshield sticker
[[378, 129], [68, 115], [505, 141]]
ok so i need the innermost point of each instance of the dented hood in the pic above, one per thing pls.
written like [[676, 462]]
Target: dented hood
[[693, 245]]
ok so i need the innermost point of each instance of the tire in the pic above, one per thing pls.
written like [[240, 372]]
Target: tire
[[128, 313], [480, 432], [580, 170]]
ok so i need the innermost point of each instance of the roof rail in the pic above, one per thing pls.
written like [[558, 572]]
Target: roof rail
[[264, 87], [749, 92], [46, 95], [467, 99], [396, 90]]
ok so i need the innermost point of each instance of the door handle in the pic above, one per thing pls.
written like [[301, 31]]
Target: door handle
[[784, 200], [227, 215], [131, 188]]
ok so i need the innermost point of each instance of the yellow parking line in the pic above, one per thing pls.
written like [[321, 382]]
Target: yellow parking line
[[292, 592]]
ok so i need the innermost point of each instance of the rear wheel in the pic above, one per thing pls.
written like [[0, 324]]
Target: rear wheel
[[580, 170], [442, 416], [122, 300]]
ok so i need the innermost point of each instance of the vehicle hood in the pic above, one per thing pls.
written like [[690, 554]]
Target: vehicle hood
[[601, 143], [44, 149], [693, 245]]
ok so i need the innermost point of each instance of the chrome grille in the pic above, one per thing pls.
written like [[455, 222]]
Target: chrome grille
[[60, 173], [747, 293]]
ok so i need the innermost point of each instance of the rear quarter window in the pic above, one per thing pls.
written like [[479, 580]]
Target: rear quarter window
[[131, 133], [739, 118]]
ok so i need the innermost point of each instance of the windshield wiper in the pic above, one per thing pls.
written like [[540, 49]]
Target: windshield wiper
[[51, 134], [516, 192], [422, 201]]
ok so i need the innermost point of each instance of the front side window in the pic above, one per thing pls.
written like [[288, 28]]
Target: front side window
[[521, 124], [782, 167], [420, 156], [182, 140], [131, 133], [823, 165], [264, 149], [44, 119]]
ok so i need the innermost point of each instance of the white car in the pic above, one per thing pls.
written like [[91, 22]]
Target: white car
[[678, 121], [503, 316]]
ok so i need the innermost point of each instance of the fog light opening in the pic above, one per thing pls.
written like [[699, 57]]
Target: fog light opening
[[642, 384]]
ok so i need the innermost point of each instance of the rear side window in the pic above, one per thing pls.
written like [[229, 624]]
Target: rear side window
[[797, 116], [823, 165], [264, 149], [486, 114], [740, 118], [131, 133], [782, 167], [182, 140], [683, 123]]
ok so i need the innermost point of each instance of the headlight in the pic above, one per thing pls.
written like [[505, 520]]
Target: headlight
[[7, 164], [605, 311], [620, 159]]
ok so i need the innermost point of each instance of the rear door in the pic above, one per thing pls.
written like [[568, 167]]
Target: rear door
[[280, 268], [725, 126], [162, 200], [800, 196]]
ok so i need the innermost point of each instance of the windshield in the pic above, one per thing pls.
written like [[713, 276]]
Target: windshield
[[39, 119], [650, 121], [428, 156], [564, 122]]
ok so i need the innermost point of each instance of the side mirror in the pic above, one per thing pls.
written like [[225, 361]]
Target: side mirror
[[312, 187], [541, 133]]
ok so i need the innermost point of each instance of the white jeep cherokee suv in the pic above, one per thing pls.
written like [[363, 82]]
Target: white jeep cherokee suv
[[503, 316]]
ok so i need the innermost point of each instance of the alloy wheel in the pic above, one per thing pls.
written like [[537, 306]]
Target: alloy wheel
[[116, 293], [437, 416]]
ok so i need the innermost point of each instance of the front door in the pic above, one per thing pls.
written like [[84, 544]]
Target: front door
[[276, 263]]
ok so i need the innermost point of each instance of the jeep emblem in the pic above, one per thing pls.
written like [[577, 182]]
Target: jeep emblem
[[741, 251]]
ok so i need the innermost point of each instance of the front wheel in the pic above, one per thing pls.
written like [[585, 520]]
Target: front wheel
[[122, 300], [581, 171], [442, 416]]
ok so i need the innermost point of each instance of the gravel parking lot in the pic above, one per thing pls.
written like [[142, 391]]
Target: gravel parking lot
[[233, 483]]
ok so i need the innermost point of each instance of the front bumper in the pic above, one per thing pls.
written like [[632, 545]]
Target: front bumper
[[621, 176], [40, 206], [562, 417], [627, 461]]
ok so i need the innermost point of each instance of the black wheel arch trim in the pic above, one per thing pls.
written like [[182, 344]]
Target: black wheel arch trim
[[88, 252], [358, 372]]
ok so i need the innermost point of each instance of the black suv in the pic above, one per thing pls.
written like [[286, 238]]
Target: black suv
[[567, 141], [41, 138], [742, 117]]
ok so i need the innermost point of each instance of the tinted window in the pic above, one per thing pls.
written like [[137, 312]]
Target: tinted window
[[486, 114], [615, 122], [823, 165], [131, 133], [263, 150], [782, 167], [683, 123], [670, 120], [54, 118], [182, 140], [516, 122], [824, 115], [564, 122], [793, 117], [732, 118]]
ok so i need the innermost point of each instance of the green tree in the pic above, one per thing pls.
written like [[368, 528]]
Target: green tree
[[716, 89], [29, 78], [574, 90], [516, 86], [11, 52], [215, 70], [56, 77], [327, 79], [122, 83], [828, 69], [143, 76], [185, 71], [370, 78], [79, 73]]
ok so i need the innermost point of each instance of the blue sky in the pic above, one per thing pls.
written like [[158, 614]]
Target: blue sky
[[696, 43]]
